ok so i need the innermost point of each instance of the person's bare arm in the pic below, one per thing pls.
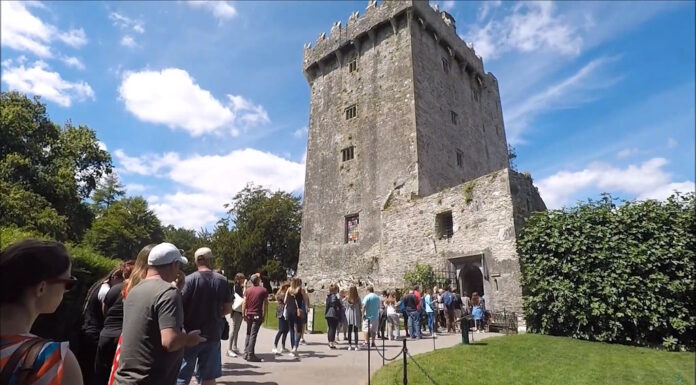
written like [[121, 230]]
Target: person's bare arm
[[72, 375], [174, 340]]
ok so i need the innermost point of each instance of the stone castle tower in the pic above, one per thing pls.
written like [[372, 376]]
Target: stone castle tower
[[407, 159]]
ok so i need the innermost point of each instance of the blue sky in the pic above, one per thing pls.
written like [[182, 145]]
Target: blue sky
[[195, 99]]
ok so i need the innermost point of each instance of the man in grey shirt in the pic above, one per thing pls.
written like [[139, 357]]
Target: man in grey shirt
[[152, 339]]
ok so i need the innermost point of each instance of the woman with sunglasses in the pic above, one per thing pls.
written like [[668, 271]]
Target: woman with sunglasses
[[34, 275]]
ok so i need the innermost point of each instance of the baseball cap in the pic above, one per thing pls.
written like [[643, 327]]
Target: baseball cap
[[165, 253], [203, 253]]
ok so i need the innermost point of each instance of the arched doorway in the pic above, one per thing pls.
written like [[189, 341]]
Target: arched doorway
[[471, 279]]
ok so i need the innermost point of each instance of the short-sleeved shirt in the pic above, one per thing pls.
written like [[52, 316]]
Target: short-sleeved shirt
[[255, 297], [371, 303], [150, 306], [113, 316], [203, 296]]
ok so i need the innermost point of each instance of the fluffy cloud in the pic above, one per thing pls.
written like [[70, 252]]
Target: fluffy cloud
[[173, 98], [626, 152], [126, 23], [221, 10], [529, 27], [300, 132], [38, 79], [646, 181], [204, 183], [128, 41], [23, 31], [73, 62]]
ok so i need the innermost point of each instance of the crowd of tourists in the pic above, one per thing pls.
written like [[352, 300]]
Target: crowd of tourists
[[147, 322]]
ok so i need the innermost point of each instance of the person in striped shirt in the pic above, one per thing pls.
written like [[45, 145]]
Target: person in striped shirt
[[34, 275]]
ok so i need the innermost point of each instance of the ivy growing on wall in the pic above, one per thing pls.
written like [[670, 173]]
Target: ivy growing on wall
[[617, 274]]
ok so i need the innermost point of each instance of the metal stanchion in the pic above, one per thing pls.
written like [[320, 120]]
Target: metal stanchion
[[405, 349], [368, 351], [383, 339]]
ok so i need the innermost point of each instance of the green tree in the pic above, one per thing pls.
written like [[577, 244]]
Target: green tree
[[108, 191], [46, 171], [421, 275], [189, 241], [124, 228], [262, 230]]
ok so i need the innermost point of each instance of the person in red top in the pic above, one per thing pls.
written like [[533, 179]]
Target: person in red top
[[254, 311]]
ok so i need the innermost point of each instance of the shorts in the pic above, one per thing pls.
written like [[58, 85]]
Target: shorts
[[373, 325], [209, 361]]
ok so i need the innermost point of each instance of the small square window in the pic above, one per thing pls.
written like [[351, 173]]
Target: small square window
[[352, 228], [445, 65], [460, 158], [454, 117], [351, 112], [444, 226], [353, 66], [347, 153]]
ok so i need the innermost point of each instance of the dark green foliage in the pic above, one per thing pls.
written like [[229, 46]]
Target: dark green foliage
[[124, 228], [421, 275], [616, 274], [46, 171], [262, 227], [108, 191]]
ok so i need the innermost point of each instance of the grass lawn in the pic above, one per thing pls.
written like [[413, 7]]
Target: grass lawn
[[530, 359], [320, 325]]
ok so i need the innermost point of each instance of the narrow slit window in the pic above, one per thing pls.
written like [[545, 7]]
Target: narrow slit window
[[460, 158], [353, 66], [352, 228], [444, 225], [348, 153], [454, 117], [445, 65], [351, 112]]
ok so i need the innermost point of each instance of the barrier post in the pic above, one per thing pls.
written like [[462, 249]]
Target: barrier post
[[405, 351], [464, 326], [368, 351]]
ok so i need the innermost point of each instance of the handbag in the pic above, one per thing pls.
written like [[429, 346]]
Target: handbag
[[237, 304], [300, 313]]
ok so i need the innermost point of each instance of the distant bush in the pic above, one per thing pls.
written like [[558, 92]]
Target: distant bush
[[616, 274]]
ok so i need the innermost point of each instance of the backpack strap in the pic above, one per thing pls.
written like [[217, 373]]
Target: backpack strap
[[27, 352]]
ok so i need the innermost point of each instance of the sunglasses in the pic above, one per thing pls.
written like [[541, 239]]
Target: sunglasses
[[68, 282]]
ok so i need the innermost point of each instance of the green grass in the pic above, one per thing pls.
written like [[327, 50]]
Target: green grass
[[530, 359], [320, 325]]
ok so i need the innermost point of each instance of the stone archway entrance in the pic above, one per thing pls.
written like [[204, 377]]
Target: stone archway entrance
[[470, 280]]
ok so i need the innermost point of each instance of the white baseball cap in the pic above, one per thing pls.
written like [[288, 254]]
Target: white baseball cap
[[164, 254], [203, 253]]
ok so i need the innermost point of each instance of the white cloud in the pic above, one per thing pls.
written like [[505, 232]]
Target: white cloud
[[72, 61], [102, 145], [648, 180], [39, 80], [626, 152], [222, 10], [23, 31], [126, 23], [172, 97], [487, 7], [529, 27], [444, 5], [135, 187], [579, 88], [204, 183], [128, 41], [75, 38], [671, 143], [300, 132]]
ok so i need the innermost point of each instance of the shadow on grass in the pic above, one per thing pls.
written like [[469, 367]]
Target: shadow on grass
[[478, 344]]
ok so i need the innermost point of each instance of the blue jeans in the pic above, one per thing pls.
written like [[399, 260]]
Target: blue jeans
[[292, 324], [431, 322], [205, 357], [414, 324]]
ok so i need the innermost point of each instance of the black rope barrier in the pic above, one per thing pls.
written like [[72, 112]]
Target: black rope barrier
[[419, 367]]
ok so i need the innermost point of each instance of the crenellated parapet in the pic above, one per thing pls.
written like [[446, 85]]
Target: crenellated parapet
[[360, 29]]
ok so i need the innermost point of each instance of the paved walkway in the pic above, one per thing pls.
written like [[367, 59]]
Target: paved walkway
[[317, 364]]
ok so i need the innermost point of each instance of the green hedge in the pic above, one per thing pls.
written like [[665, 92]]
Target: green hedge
[[616, 274], [88, 266]]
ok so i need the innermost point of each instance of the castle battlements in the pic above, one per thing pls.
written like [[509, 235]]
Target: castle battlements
[[360, 29]]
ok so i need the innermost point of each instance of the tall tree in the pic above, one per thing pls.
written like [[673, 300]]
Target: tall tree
[[46, 171], [185, 239], [262, 230], [125, 228], [108, 191]]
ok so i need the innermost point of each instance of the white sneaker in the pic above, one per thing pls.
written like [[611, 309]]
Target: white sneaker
[[231, 353], [275, 351], [292, 354]]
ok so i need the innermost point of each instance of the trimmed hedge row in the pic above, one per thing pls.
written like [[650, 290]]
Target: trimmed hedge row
[[616, 274]]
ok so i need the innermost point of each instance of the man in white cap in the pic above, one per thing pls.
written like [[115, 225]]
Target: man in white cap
[[153, 343], [207, 300]]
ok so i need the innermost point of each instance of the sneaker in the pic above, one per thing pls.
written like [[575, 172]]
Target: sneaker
[[350, 347], [292, 354], [275, 351], [253, 358], [303, 342], [231, 353]]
